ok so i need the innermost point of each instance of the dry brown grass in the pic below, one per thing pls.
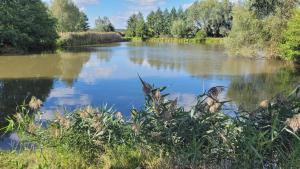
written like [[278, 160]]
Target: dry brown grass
[[87, 38]]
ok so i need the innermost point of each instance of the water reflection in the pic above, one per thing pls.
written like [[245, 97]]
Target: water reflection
[[97, 75], [15, 92]]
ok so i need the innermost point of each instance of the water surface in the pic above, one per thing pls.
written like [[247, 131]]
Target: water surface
[[107, 74]]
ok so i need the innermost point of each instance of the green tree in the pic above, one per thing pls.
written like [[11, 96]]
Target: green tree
[[173, 14], [69, 17], [159, 23], [290, 46], [141, 27], [83, 22], [131, 26], [26, 25], [151, 23], [264, 8], [104, 25], [213, 16], [167, 22], [183, 29], [259, 27]]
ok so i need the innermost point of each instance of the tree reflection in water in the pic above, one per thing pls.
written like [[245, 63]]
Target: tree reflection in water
[[14, 92], [249, 91]]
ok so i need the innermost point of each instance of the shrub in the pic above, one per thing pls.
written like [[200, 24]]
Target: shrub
[[290, 47], [201, 35]]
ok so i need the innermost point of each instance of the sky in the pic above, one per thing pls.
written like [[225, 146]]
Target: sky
[[119, 11]]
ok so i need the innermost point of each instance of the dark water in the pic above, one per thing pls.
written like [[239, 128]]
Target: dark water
[[108, 74]]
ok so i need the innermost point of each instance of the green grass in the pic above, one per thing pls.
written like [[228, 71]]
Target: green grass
[[208, 40], [162, 135], [87, 38]]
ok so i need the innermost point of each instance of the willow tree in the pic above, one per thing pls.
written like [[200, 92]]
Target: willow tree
[[69, 17]]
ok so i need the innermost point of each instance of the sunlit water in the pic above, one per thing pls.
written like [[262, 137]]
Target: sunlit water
[[107, 74]]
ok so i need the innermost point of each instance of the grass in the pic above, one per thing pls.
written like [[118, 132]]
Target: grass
[[43, 158], [87, 38], [207, 40], [162, 135]]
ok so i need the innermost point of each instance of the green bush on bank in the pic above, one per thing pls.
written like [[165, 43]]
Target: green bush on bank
[[165, 135], [290, 47]]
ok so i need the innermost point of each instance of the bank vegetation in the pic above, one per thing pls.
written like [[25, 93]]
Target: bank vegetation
[[160, 135]]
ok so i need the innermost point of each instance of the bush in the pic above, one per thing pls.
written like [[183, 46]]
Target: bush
[[26, 25], [290, 47], [201, 35]]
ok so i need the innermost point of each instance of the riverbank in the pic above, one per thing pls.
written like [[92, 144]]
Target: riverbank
[[161, 135], [208, 40]]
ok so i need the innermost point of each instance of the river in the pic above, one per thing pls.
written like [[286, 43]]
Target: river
[[108, 74]]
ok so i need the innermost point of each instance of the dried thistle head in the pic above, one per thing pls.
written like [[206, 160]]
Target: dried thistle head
[[294, 122], [62, 121], [32, 128], [157, 94], [210, 101], [264, 104], [19, 118], [84, 114], [214, 108], [119, 116], [35, 103], [136, 128]]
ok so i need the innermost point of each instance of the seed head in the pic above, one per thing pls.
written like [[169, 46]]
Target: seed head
[[294, 122], [35, 103]]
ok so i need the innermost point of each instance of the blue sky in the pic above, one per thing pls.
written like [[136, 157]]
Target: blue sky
[[119, 10]]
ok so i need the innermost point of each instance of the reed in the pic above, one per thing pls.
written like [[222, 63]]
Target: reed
[[87, 38], [165, 135]]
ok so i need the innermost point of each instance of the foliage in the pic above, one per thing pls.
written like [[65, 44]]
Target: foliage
[[104, 25], [165, 135], [213, 16], [290, 47], [69, 17], [26, 25], [87, 38], [258, 27], [131, 26], [245, 37]]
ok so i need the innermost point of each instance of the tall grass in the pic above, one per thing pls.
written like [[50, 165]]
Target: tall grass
[[165, 135], [87, 38]]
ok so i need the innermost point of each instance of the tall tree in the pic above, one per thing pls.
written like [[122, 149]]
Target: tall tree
[[167, 22], [83, 22], [104, 25], [151, 23], [26, 25], [173, 14], [68, 16], [141, 27], [159, 24], [131, 26]]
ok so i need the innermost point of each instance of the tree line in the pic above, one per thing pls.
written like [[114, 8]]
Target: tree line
[[208, 17], [250, 26]]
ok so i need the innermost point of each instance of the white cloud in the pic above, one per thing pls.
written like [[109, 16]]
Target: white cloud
[[186, 6], [80, 3]]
